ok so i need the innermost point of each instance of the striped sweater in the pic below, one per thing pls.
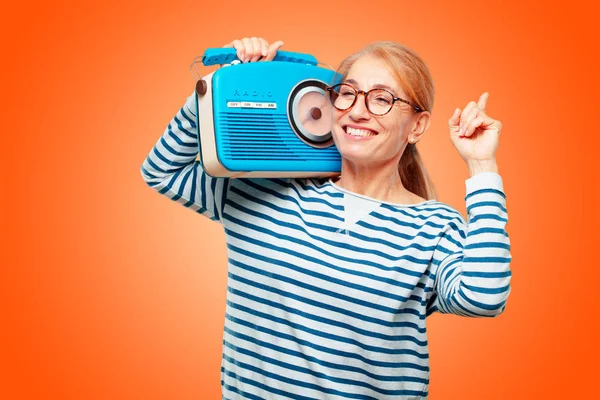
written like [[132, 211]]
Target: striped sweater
[[315, 311]]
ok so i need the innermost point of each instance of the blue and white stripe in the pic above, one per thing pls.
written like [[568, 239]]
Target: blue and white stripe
[[317, 312]]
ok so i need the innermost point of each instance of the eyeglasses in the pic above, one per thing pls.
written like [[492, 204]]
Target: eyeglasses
[[378, 101]]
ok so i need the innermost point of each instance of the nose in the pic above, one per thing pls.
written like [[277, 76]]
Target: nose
[[359, 109]]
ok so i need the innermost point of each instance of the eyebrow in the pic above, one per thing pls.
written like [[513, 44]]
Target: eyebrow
[[376, 86]]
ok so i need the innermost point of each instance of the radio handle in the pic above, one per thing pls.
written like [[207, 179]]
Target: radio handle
[[213, 56]]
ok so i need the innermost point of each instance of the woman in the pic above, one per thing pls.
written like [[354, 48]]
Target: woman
[[330, 282]]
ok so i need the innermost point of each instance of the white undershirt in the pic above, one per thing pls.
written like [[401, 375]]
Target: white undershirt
[[356, 207]]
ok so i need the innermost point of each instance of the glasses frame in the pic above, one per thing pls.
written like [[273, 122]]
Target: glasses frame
[[365, 95]]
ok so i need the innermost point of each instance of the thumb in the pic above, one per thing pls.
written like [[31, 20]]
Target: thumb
[[454, 119], [277, 44], [272, 50]]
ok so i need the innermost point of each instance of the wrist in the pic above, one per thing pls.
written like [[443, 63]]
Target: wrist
[[478, 166]]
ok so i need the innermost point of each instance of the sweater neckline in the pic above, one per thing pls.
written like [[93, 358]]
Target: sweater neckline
[[346, 191]]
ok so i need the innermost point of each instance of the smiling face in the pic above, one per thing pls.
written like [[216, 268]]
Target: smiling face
[[362, 138]]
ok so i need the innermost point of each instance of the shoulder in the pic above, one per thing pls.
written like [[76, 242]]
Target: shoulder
[[436, 213], [303, 187], [451, 221]]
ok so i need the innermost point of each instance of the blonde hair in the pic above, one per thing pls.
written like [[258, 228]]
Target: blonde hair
[[414, 78]]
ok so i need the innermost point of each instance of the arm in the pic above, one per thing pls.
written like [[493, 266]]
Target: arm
[[473, 273], [171, 167]]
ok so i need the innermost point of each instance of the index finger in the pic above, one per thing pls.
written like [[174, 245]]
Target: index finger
[[483, 101], [238, 46]]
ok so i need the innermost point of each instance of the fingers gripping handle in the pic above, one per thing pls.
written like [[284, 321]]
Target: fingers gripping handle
[[215, 56]]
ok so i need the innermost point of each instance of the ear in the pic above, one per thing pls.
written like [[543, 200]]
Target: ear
[[420, 125]]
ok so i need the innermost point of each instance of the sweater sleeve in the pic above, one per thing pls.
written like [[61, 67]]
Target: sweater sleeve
[[171, 167], [473, 276]]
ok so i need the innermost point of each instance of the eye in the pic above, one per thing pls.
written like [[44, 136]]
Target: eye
[[346, 91], [383, 100]]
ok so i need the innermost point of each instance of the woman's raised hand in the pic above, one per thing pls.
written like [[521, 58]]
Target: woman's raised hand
[[255, 49], [475, 135]]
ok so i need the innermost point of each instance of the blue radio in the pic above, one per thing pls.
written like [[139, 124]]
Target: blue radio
[[266, 119]]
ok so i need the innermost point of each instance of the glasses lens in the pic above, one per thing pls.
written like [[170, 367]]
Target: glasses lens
[[380, 101], [342, 96]]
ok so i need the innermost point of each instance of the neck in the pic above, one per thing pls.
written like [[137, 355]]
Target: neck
[[381, 182]]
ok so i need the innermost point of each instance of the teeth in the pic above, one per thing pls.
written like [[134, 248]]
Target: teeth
[[358, 132]]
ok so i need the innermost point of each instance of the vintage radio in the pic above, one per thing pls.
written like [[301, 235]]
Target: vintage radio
[[266, 119]]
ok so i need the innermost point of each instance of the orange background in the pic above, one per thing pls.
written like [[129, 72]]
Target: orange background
[[111, 291]]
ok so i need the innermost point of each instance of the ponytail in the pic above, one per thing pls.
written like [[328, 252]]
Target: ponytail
[[414, 175]]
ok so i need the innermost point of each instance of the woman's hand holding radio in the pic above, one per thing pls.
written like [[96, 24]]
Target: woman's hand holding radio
[[255, 49]]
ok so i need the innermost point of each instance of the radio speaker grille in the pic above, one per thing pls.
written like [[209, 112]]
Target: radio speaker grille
[[249, 136]]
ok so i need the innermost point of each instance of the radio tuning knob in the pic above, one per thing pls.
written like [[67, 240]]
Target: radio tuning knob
[[201, 87]]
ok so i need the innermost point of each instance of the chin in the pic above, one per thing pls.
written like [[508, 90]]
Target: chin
[[355, 154]]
